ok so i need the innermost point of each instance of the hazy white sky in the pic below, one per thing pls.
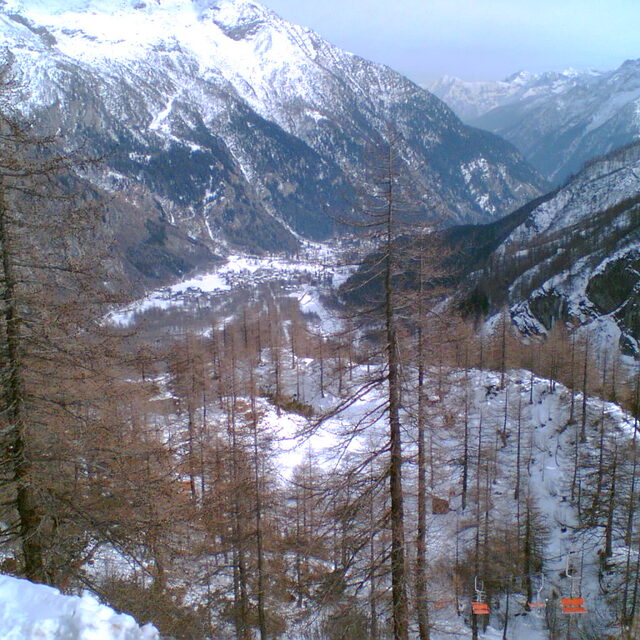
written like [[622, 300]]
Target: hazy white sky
[[475, 39]]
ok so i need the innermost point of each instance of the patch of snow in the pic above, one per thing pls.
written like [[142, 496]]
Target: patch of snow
[[36, 612], [316, 116], [476, 172], [158, 122]]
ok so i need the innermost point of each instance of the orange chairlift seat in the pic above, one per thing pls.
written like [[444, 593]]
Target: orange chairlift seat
[[572, 604], [479, 607]]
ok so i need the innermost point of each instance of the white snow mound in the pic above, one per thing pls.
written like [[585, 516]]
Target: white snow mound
[[35, 612]]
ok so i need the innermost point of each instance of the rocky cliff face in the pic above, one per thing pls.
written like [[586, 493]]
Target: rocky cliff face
[[223, 126]]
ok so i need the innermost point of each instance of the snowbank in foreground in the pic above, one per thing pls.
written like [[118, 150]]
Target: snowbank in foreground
[[34, 612]]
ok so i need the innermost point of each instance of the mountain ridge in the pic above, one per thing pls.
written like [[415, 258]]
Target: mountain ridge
[[240, 128], [473, 99], [558, 121]]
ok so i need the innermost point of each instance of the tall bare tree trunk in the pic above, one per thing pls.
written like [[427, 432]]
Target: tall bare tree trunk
[[585, 385], [398, 580], [422, 611], [30, 519], [262, 621], [421, 560], [628, 537]]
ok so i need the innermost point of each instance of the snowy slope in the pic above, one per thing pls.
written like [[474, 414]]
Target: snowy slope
[[523, 423], [575, 256], [36, 612], [236, 127], [601, 185], [547, 438]]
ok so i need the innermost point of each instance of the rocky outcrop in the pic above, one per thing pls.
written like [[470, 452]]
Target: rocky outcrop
[[572, 258]]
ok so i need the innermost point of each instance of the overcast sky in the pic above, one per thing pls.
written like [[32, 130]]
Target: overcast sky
[[475, 39]]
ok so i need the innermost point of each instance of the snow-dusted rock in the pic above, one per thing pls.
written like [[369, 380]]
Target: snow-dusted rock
[[576, 256]]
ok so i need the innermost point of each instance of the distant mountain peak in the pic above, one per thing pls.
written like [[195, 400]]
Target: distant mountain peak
[[519, 77], [54, 7], [221, 11]]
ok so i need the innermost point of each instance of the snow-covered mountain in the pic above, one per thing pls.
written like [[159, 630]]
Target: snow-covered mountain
[[223, 125], [573, 257], [558, 121], [472, 99]]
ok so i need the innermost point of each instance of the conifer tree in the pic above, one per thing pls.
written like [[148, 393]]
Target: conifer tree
[[39, 273], [58, 360]]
